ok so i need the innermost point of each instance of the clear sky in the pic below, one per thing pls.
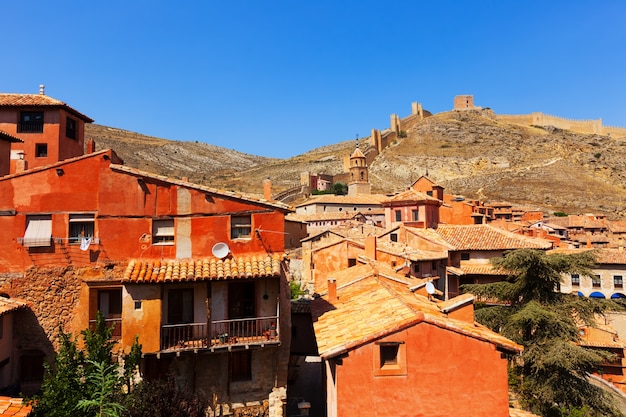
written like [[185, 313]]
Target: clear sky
[[277, 78]]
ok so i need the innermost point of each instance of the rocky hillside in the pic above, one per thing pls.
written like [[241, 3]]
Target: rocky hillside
[[470, 153]]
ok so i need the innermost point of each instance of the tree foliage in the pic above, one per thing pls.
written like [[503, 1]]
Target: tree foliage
[[551, 376], [91, 382], [83, 382]]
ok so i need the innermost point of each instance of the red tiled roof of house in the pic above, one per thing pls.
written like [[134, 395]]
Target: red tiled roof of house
[[410, 196], [430, 235], [370, 305], [206, 269], [232, 194], [327, 216], [485, 237], [482, 269], [9, 137], [358, 153], [8, 305], [370, 199], [38, 100], [603, 256], [14, 407]]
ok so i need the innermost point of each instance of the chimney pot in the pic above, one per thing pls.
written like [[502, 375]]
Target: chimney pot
[[267, 189], [42, 89], [332, 289]]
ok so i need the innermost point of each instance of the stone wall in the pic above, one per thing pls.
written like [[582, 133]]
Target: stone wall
[[580, 126]]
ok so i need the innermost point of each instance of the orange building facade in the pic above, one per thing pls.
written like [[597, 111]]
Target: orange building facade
[[428, 358], [51, 130], [197, 274]]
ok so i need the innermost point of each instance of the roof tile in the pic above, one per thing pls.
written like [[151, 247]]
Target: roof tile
[[205, 269]]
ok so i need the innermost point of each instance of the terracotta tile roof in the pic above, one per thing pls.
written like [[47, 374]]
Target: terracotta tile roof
[[407, 252], [206, 269], [410, 196], [482, 269], [186, 184], [485, 237], [617, 226], [8, 305], [38, 100], [344, 199], [371, 304], [9, 137], [327, 216], [57, 164], [14, 407], [430, 235], [603, 256], [357, 153]]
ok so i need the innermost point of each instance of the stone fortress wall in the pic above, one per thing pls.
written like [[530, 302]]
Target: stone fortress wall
[[580, 126]]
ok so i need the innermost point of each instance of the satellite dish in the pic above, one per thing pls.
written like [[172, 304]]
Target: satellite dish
[[220, 250], [430, 288]]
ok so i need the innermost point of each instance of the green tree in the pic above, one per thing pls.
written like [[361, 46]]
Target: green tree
[[62, 387], [104, 381], [340, 188], [80, 379], [551, 376]]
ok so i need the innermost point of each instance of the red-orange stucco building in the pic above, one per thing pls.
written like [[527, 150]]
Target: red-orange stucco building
[[51, 130], [390, 351], [199, 275]]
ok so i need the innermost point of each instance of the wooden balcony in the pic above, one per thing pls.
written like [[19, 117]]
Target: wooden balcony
[[220, 334]]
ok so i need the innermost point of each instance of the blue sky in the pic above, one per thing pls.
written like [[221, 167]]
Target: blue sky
[[278, 78]]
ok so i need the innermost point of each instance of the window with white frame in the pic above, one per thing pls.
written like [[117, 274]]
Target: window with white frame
[[163, 232], [596, 281], [575, 280], [82, 226], [38, 231], [618, 281]]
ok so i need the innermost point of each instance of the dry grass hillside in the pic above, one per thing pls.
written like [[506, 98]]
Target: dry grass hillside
[[470, 153]]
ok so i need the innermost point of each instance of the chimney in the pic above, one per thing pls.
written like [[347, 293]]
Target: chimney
[[20, 166], [370, 247], [589, 245], [91, 146], [267, 189], [42, 89], [332, 290]]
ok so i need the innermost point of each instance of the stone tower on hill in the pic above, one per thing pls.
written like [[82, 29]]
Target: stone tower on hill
[[359, 183]]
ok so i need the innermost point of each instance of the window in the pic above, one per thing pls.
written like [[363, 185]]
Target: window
[[241, 366], [415, 215], [390, 359], [465, 256], [398, 215], [618, 281], [180, 306], [41, 150], [351, 262], [110, 305], [575, 279], [389, 355], [81, 227], [596, 281], [30, 122], [38, 231], [240, 227], [70, 128], [393, 237], [163, 232], [429, 193]]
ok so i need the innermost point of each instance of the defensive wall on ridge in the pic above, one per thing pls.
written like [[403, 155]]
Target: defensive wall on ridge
[[580, 126]]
